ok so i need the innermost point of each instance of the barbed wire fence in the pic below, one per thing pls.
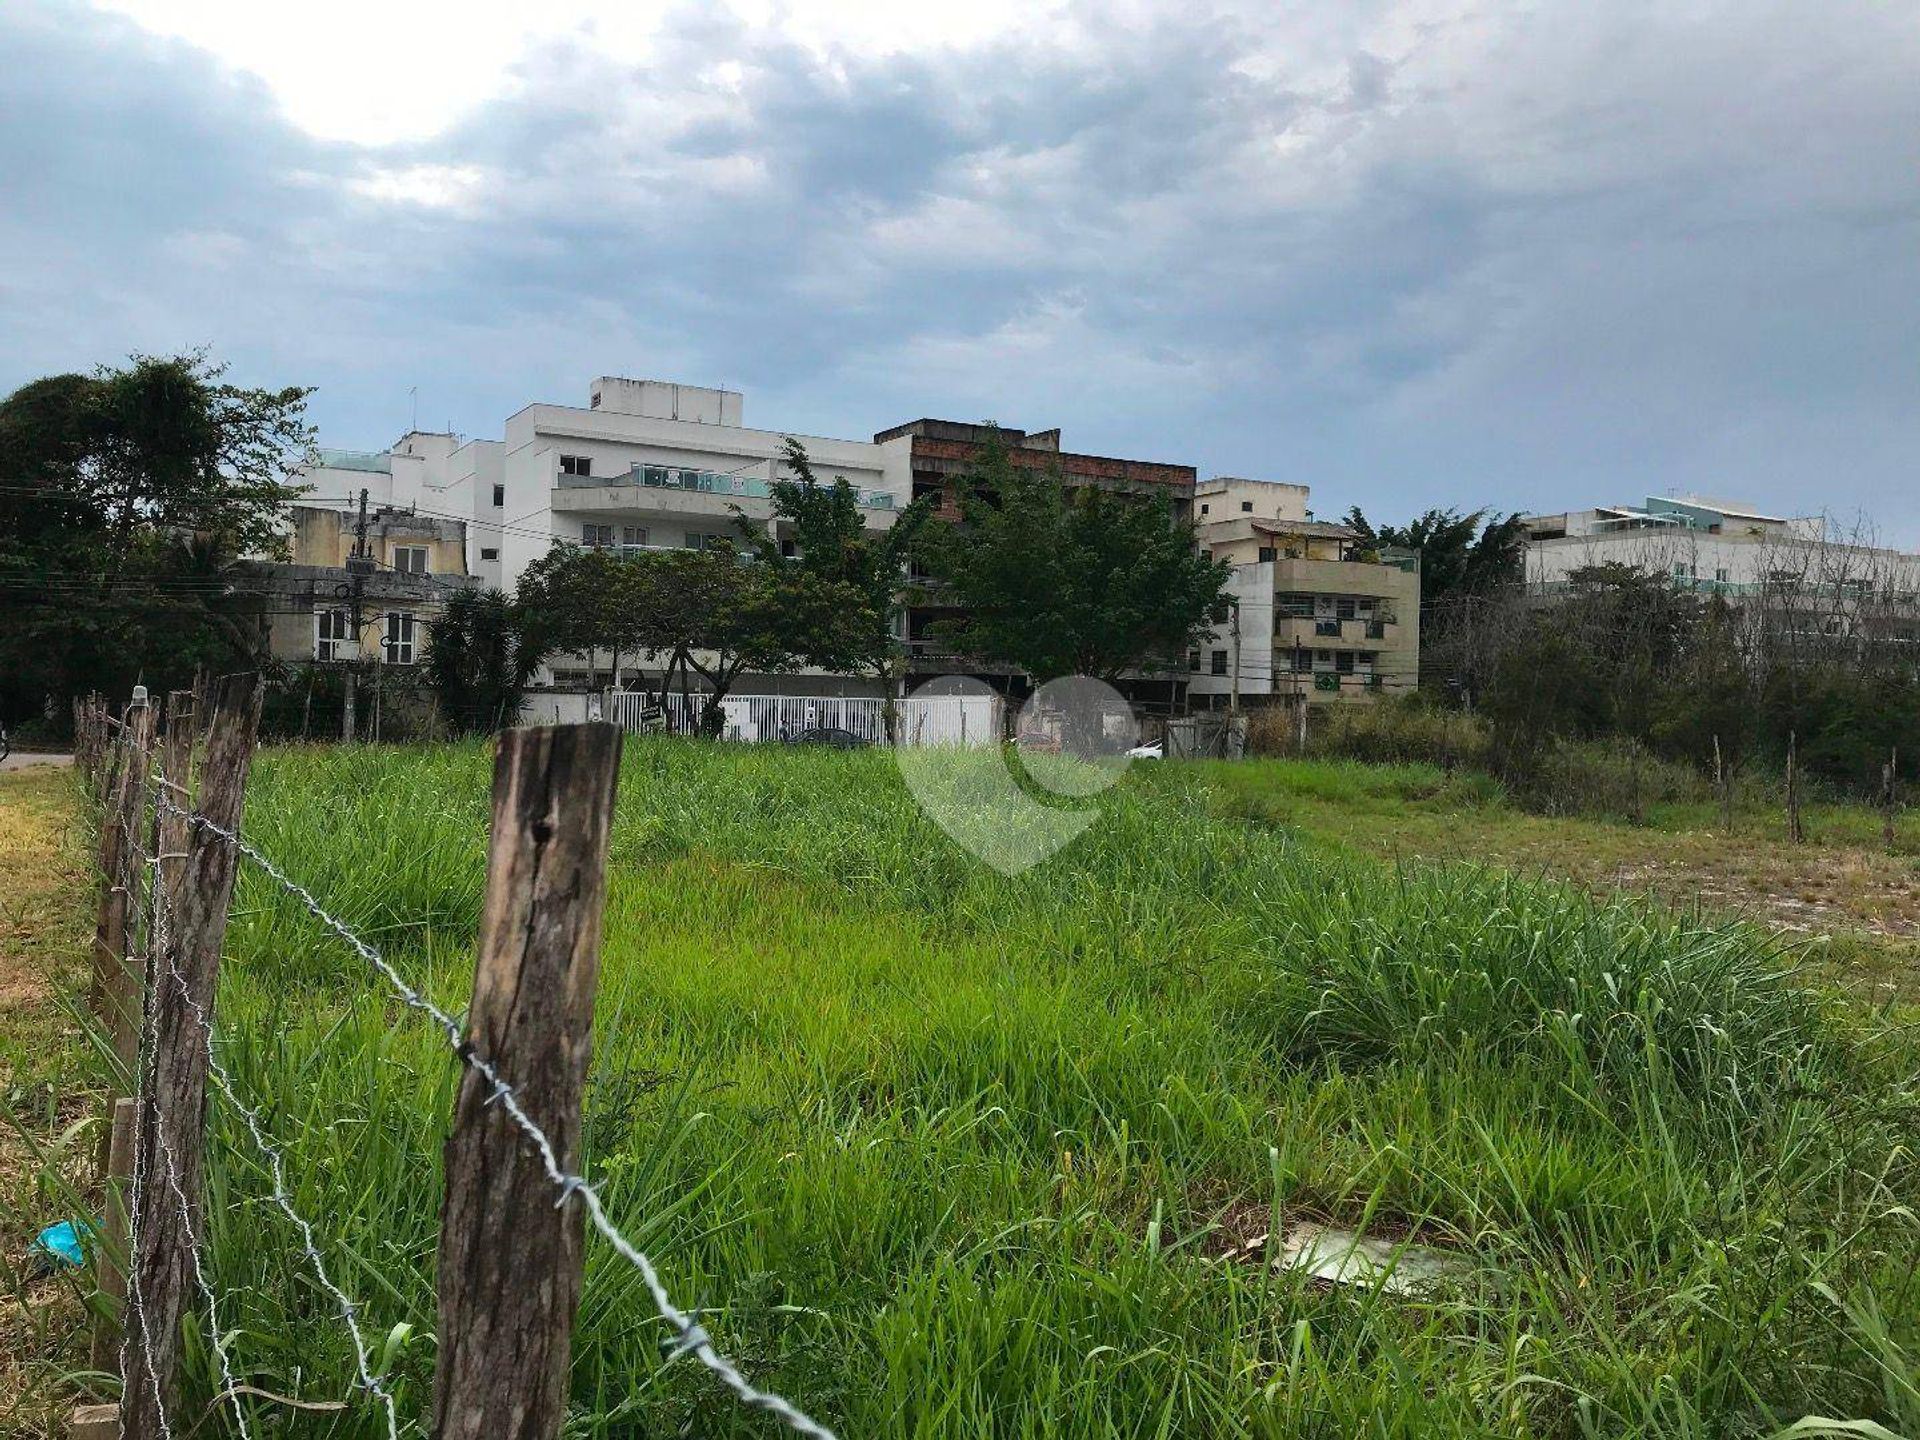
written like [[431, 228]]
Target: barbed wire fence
[[516, 1206]]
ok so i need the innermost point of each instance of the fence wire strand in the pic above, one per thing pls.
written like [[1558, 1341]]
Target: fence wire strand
[[690, 1336], [349, 1312], [158, 945], [135, 1301]]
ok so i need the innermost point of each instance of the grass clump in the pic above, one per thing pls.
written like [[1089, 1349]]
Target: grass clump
[[952, 1153]]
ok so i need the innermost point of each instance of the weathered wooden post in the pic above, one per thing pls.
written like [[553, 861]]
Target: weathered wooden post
[[1890, 795], [510, 1254], [194, 888], [122, 867], [1796, 831], [113, 1241]]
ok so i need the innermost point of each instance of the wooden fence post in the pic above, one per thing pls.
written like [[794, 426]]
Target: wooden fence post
[[196, 880], [113, 1251], [1796, 831], [510, 1255], [1890, 795], [122, 865]]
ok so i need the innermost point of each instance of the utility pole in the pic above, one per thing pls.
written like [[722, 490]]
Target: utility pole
[[1233, 697], [359, 566]]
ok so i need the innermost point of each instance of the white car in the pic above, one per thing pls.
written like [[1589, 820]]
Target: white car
[[1153, 750]]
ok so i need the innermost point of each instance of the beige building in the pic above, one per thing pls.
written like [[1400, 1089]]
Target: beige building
[[413, 562], [1318, 616]]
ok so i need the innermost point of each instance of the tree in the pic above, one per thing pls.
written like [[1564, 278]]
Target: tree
[[1061, 582], [741, 617], [1460, 555], [575, 600], [128, 497], [831, 542], [711, 613], [477, 662]]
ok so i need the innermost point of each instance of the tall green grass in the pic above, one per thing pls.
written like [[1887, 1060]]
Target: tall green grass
[[949, 1153]]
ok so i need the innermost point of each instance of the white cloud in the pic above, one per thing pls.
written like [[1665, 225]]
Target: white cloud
[[433, 187]]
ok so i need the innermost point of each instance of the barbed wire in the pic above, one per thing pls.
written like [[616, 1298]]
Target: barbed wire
[[223, 1079], [159, 947], [135, 1302], [691, 1337]]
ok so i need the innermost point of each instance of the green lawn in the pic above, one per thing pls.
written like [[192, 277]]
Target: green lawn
[[952, 1154]]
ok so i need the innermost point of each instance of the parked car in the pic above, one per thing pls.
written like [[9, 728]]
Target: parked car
[[832, 736]]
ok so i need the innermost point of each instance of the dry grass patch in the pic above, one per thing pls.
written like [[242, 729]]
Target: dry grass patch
[[45, 929]]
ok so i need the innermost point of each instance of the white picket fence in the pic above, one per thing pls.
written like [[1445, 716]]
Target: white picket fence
[[934, 720]]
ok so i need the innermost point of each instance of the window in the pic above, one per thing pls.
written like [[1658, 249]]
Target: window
[[597, 537], [1246, 507], [1722, 575], [499, 496], [332, 630], [789, 549], [1294, 604], [410, 559], [397, 645], [1343, 661], [633, 537], [576, 465], [1346, 607], [1268, 554], [1203, 509], [1682, 570], [490, 554], [1219, 662], [1302, 661], [1193, 660]]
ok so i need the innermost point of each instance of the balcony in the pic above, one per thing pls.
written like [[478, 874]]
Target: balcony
[[1289, 630], [699, 482], [371, 462]]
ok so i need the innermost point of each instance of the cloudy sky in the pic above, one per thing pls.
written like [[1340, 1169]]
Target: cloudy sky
[[1410, 252]]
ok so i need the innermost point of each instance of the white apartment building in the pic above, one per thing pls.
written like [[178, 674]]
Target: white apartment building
[[644, 464], [1715, 546]]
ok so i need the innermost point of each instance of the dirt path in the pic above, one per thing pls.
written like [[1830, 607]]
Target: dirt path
[[45, 893]]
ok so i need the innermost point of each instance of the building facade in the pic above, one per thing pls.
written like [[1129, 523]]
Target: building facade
[[643, 465], [1318, 617], [1790, 569], [938, 453], [412, 563]]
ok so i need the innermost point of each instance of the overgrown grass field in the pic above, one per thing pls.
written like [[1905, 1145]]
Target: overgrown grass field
[[952, 1154]]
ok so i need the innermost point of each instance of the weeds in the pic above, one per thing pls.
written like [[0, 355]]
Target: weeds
[[943, 1149]]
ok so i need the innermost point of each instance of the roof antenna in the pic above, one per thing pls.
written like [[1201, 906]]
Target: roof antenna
[[413, 393]]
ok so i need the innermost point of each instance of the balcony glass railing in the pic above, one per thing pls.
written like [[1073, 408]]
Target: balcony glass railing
[[373, 462], [701, 482]]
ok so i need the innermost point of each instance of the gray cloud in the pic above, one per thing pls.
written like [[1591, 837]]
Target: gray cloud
[[1571, 255]]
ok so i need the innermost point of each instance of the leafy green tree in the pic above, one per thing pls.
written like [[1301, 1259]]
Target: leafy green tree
[[741, 617], [1071, 582], [1476, 554], [711, 613], [831, 542], [575, 600], [126, 500], [477, 662]]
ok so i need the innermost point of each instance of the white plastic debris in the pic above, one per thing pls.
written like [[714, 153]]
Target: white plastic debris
[[1346, 1257]]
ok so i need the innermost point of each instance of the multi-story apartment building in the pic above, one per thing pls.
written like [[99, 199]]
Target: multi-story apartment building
[[1318, 617], [410, 565], [643, 465], [938, 453], [1791, 567]]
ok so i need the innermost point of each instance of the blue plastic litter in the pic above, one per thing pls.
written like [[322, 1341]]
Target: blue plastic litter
[[65, 1242]]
